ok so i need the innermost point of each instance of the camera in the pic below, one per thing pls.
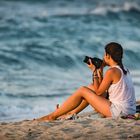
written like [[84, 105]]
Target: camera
[[96, 61]]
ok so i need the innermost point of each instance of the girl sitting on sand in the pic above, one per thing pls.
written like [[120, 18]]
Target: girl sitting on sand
[[116, 81]]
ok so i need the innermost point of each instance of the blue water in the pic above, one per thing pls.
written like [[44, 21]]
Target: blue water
[[43, 43]]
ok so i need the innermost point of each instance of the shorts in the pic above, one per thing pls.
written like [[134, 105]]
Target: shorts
[[116, 110]]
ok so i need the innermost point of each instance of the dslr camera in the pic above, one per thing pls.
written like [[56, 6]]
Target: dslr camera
[[95, 61]]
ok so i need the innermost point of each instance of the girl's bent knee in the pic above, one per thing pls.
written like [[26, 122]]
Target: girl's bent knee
[[81, 89]]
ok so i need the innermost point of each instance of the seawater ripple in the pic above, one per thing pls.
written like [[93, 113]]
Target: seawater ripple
[[43, 44]]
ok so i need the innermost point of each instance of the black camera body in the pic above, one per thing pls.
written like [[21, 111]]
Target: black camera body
[[96, 61]]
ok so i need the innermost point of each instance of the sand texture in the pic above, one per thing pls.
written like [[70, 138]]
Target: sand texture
[[88, 126]]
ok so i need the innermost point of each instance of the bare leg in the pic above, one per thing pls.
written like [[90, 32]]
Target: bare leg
[[83, 104], [98, 102], [78, 109]]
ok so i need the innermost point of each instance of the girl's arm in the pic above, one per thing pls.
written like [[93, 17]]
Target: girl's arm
[[105, 83], [101, 84]]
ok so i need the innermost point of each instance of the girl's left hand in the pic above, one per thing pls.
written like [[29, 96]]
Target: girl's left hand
[[91, 66]]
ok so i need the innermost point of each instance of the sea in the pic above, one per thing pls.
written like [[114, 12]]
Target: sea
[[43, 44]]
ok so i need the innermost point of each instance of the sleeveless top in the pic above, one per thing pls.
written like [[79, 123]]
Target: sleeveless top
[[122, 96]]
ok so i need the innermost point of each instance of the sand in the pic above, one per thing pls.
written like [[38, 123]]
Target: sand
[[88, 126]]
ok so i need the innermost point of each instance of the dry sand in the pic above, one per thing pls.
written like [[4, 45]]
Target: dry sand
[[89, 126]]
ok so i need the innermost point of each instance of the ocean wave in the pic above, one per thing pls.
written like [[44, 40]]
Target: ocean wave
[[24, 96], [43, 44], [99, 9], [132, 59], [55, 8], [28, 54], [126, 7]]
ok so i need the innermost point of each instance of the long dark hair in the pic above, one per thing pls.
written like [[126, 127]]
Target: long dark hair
[[115, 50]]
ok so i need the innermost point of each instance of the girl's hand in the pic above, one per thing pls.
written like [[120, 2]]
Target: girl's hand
[[91, 66], [100, 72]]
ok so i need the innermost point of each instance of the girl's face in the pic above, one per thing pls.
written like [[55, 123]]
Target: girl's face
[[106, 58]]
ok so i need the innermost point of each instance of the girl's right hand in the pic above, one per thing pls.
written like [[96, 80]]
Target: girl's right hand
[[91, 65]]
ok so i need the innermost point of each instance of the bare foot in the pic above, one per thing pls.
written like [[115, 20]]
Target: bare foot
[[46, 118], [65, 116]]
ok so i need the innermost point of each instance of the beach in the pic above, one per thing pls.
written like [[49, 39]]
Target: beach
[[42, 47], [87, 126]]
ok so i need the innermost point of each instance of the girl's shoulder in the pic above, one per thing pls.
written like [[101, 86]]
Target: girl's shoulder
[[114, 72], [114, 69]]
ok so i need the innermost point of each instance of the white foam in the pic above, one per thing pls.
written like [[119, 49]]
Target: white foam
[[130, 5], [103, 10]]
